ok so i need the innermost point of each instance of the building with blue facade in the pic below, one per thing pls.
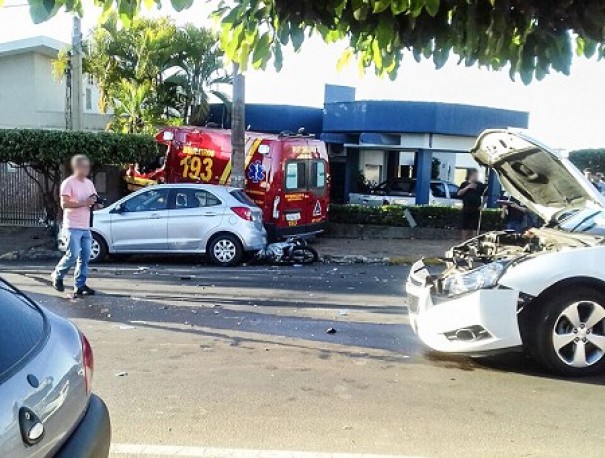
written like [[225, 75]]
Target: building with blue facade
[[378, 140]]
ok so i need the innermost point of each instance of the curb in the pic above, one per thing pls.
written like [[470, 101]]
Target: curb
[[32, 254]]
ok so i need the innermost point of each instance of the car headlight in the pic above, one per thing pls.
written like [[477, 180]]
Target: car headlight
[[483, 277]]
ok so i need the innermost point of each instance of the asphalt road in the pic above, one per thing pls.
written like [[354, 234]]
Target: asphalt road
[[227, 362]]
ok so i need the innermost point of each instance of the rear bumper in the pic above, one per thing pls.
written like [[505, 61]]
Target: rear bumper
[[92, 437], [276, 233]]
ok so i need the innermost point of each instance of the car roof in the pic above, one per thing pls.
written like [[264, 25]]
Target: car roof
[[194, 186]]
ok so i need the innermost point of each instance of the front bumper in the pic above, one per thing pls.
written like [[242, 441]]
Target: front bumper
[[480, 322], [92, 437]]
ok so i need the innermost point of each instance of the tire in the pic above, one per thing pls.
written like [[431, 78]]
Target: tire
[[225, 250], [569, 332], [98, 249], [304, 255]]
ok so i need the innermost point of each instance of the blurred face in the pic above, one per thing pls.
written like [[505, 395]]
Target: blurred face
[[81, 168], [473, 176]]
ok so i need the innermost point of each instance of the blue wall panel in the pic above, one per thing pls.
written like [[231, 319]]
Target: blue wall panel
[[272, 118], [417, 117]]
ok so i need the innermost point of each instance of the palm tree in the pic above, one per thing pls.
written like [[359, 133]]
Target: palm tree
[[199, 73]]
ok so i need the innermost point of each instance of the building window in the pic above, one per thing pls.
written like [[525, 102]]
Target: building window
[[88, 99], [91, 79]]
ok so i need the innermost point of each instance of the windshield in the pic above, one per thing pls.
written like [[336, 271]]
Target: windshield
[[588, 221]]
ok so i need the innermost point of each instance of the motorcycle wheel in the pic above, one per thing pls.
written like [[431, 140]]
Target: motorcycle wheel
[[304, 255]]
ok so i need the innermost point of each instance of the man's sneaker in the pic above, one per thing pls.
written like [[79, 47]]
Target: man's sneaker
[[84, 291], [58, 284]]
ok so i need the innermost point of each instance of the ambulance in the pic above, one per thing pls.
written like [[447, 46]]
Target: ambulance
[[287, 175]]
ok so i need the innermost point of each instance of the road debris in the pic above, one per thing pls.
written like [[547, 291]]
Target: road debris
[[331, 331]]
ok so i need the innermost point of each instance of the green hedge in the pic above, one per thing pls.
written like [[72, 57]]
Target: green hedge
[[43, 149], [48, 151], [425, 216]]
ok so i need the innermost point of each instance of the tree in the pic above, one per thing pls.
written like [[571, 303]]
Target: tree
[[589, 159], [531, 37], [128, 64], [153, 72], [46, 152], [200, 72]]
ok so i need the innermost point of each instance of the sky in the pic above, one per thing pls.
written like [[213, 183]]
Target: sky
[[565, 111]]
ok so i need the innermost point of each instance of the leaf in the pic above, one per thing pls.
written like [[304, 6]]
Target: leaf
[[360, 10], [400, 6], [283, 33], [261, 50], [376, 54], [180, 5], [42, 10], [432, 7], [278, 60], [380, 6], [297, 34], [344, 59]]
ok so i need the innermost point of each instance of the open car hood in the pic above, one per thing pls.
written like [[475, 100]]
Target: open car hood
[[536, 175]]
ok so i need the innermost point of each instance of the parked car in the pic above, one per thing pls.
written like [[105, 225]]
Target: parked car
[[402, 191], [543, 291], [185, 218], [46, 367]]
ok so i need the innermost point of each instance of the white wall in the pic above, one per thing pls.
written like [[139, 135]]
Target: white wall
[[30, 97], [373, 158], [17, 99]]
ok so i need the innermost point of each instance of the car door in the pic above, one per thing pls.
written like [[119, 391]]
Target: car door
[[140, 223], [192, 217], [452, 189], [439, 194]]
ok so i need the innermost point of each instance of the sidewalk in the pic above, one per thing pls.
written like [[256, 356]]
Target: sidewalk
[[393, 251], [33, 243]]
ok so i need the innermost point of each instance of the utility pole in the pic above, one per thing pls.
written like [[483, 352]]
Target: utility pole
[[238, 129], [76, 75]]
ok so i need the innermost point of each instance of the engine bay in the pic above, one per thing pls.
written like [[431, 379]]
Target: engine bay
[[503, 245]]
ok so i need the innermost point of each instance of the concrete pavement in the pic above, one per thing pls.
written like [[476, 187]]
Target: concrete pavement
[[237, 362]]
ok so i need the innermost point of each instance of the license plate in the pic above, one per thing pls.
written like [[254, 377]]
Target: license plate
[[292, 216]]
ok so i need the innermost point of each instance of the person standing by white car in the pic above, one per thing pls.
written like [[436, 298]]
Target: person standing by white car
[[78, 197]]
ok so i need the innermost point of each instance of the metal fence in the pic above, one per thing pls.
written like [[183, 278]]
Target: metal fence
[[20, 199]]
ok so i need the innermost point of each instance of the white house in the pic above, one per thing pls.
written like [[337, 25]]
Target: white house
[[30, 96]]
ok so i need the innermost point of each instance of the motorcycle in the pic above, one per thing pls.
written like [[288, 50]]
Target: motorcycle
[[293, 250]]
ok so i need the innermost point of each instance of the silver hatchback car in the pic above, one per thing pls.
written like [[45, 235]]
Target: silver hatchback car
[[222, 222], [46, 405]]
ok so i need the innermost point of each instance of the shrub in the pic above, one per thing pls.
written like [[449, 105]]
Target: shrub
[[48, 151], [439, 217]]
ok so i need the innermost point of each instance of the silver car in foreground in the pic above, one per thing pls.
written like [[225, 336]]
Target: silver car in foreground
[[219, 221], [46, 405]]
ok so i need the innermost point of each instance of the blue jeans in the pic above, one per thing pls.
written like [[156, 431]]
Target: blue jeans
[[78, 251]]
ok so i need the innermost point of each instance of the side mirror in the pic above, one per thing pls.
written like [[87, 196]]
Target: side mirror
[[117, 209]]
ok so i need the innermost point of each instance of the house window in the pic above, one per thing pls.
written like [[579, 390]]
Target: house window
[[91, 79], [88, 99]]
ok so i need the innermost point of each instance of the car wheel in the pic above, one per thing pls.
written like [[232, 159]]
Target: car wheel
[[304, 255], [98, 249], [570, 333], [225, 250]]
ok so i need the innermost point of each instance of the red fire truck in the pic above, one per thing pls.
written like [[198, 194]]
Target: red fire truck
[[287, 175]]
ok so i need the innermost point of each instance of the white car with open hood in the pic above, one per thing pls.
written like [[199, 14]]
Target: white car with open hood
[[543, 292]]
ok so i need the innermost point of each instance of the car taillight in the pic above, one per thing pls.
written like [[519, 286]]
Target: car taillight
[[87, 362], [243, 212]]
